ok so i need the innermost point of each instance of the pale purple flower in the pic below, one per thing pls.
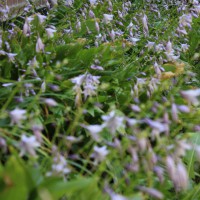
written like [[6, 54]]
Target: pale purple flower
[[26, 28], [91, 14], [159, 171], [28, 145], [184, 47], [50, 31], [183, 108], [94, 130], [191, 96], [78, 80], [99, 154], [130, 26], [152, 192], [133, 40], [69, 2], [174, 112], [11, 56], [37, 130], [157, 127], [107, 18], [159, 48], [113, 122], [39, 45], [171, 167], [78, 26], [185, 20], [96, 67], [181, 179], [41, 18], [112, 35], [150, 45], [59, 166], [17, 115], [97, 26], [145, 25], [115, 196], [50, 102], [93, 2]]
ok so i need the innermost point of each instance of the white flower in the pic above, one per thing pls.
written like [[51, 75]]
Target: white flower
[[94, 130], [115, 196], [41, 18], [150, 45], [130, 26], [39, 45], [169, 48], [11, 56], [152, 192], [112, 35], [157, 127], [50, 102], [89, 90], [96, 67], [69, 2], [26, 28], [59, 166], [181, 179], [28, 145], [133, 40], [191, 96], [107, 18], [91, 14], [99, 154], [185, 20], [184, 47], [92, 2], [145, 25], [17, 115], [112, 121], [50, 31], [78, 80], [89, 84], [171, 167]]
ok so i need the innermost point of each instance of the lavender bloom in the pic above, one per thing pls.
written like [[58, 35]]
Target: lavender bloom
[[50, 102], [41, 18], [39, 45], [99, 154], [28, 145], [50, 31], [17, 115], [59, 166], [191, 96], [145, 25], [181, 179], [107, 18], [94, 130], [152, 192], [113, 122], [157, 127], [69, 2]]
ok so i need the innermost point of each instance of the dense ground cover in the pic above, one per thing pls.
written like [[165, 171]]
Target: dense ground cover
[[99, 100]]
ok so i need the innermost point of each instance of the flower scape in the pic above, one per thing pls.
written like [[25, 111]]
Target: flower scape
[[99, 100]]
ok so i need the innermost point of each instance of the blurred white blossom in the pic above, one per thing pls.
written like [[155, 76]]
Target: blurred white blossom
[[17, 115], [28, 145], [99, 154]]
